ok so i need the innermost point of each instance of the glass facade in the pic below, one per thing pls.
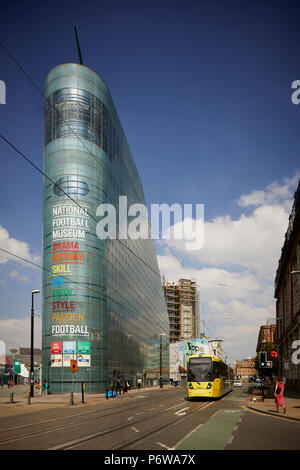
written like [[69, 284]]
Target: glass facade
[[103, 304]]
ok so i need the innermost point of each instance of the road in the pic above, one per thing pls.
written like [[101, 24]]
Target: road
[[158, 419]]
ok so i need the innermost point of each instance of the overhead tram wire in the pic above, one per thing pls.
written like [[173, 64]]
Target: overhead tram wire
[[125, 246], [88, 150], [73, 200], [213, 282], [79, 139]]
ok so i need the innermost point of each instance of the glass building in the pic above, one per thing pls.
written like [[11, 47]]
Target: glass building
[[103, 304]]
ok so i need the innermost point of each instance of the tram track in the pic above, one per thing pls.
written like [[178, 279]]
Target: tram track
[[139, 440], [6, 430], [80, 441], [108, 412]]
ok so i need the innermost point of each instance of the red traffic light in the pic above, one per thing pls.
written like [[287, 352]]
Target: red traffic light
[[274, 353]]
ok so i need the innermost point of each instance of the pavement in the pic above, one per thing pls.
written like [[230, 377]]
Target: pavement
[[268, 406]]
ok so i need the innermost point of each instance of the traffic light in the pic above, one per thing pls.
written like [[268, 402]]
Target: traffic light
[[262, 359], [273, 357], [73, 365]]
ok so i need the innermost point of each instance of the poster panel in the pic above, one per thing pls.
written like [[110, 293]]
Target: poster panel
[[56, 347], [83, 347], [69, 347], [56, 360], [67, 359], [83, 360]]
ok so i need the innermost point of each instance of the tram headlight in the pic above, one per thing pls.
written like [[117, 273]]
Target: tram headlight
[[209, 385], [191, 385]]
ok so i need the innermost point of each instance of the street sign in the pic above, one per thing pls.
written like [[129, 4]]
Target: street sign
[[73, 365], [17, 367]]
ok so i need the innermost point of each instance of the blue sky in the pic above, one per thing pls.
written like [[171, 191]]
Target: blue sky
[[203, 91]]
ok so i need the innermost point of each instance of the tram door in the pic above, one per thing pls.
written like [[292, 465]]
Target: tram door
[[217, 377]]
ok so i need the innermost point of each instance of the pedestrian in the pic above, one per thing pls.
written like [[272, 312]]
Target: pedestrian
[[126, 386], [279, 388], [45, 387], [118, 387], [139, 383]]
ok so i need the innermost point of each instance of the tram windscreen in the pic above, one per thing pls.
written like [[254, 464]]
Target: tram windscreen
[[200, 370]]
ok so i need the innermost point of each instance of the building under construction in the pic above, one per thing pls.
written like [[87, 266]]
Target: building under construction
[[183, 305]]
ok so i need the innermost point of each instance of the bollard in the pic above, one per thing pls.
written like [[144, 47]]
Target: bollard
[[28, 398], [82, 392], [11, 398], [71, 398]]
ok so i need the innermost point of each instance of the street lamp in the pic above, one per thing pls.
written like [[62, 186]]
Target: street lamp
[[31, 345], [160, 360]]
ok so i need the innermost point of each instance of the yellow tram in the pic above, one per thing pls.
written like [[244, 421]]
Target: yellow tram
[[208, 377]]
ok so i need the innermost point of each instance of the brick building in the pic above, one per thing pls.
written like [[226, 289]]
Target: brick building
[[287, 294], [267, 334], [245, 368]]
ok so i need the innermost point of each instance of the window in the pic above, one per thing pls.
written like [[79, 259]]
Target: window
[[71, 112]]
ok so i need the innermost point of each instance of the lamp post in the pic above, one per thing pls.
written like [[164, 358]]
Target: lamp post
[[160, 360], [31, 345]]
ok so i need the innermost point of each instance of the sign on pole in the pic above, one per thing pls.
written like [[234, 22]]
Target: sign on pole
[[17, 367]]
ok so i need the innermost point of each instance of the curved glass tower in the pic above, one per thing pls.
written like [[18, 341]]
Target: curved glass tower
[[103, 304]]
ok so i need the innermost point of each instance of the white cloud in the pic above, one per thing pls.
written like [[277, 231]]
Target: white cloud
[[15, 246], [239, 259], [275, 193], [251, 242], [237, 323], [16, 275], [15, 332]]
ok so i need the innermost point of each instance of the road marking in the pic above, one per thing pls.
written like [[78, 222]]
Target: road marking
[[164, 446], [130, 418], [187, 436], [180, 412], [134, 429], [231, 411]]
